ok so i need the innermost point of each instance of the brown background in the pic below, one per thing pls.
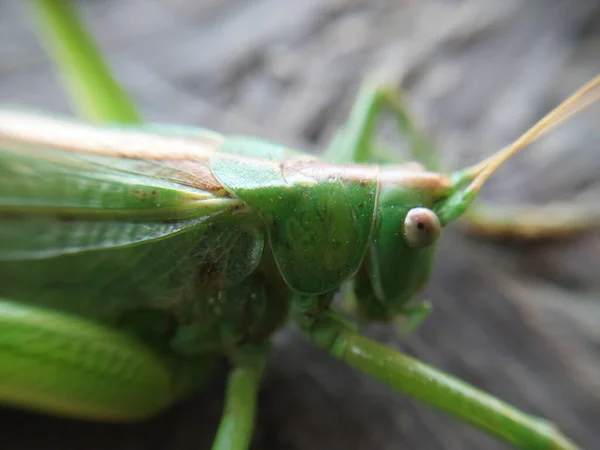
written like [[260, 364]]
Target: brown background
[[521, 320]]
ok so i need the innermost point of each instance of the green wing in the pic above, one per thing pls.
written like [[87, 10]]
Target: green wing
[[101, 234]]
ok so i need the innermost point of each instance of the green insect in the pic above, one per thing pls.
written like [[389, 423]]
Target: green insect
[[131, 255]]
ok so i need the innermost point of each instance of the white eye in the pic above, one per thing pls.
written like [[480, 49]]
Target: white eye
[[421, 227]]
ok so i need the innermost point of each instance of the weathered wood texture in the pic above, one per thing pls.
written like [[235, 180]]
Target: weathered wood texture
[[520, 320]]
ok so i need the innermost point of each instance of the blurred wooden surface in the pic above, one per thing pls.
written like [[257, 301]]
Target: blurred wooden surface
[[520, 320]]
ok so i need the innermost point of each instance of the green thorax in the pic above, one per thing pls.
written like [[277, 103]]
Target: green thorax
[[319, 217]]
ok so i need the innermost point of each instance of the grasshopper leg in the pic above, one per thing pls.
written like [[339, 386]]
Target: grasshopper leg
[[237, 423], [533, 222], [413, 316], [55, 363], [355, 141], [425, 383], [86, 76]]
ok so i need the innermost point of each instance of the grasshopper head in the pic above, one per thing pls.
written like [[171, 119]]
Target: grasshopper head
[[414, 206], [400, 254]]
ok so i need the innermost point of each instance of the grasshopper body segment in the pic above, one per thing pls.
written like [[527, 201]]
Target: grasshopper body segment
[[318, 225]]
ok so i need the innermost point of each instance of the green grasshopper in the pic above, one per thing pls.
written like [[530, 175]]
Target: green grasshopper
[[131, 255]]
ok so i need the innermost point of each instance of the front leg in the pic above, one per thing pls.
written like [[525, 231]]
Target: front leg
[[411, 376]]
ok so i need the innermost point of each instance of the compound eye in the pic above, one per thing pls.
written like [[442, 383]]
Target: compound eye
[[421, 227]]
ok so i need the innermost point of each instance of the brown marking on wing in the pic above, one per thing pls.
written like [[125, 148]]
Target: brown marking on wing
[[183, 160], [194, 173], [32, 129]]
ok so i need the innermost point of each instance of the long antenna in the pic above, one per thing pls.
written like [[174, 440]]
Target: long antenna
[[584, 97], [478, 174]]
